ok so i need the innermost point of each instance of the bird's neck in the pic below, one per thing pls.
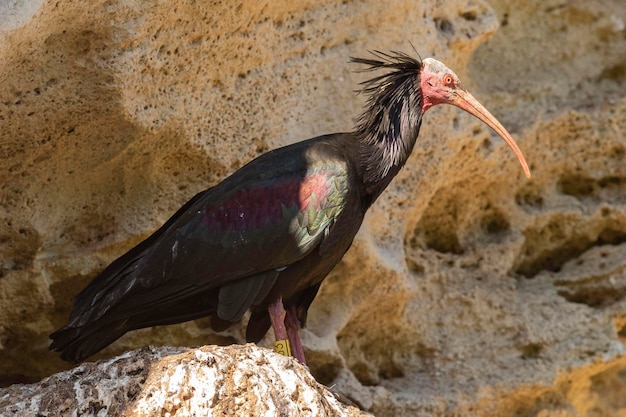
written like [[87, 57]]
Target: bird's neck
[[387, 136], [388, 127]]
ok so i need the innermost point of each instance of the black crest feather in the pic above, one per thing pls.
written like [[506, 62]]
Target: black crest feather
[[390, 122], [401, 65]]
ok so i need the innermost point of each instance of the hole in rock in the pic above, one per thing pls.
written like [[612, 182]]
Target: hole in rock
[[444, 25], [505, 20], [414, 267], [553, 259], [529, 197], [616, 72], [494, 222], [365, 373], [581, 186], [324, 369], [444, 242], [470, 16], [390, 370], [549, 248], [612, 181], [438, 227], [531, 350], [594, 296], [618, 152], [622, 332], [576, 185]]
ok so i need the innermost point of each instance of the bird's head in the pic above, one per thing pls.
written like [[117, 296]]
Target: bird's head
[[398, 99], [440, 85]]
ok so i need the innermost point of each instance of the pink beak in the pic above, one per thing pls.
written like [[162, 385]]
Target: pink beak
[[465, 101]]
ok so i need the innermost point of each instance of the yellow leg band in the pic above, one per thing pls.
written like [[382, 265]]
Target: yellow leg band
[[282, 347]]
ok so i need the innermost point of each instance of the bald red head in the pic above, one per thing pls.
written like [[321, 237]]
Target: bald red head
[[440, 85]]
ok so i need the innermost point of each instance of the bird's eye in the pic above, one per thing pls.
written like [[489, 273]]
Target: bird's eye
[[448, 80]]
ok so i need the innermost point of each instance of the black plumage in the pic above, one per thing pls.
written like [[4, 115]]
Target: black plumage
[[266, 236]]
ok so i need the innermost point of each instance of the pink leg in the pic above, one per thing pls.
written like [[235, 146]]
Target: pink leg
[[277, 313], [293, 332]]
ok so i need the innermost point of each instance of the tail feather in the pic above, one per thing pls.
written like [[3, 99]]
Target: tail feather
[[78, 343]]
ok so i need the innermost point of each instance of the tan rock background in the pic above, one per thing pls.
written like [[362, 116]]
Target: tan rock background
[[469, 291]]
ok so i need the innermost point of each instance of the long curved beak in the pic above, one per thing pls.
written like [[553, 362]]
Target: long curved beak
[[465, 101]]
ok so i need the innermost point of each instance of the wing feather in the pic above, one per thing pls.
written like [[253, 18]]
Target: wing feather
[[237, 297], [269, 214]]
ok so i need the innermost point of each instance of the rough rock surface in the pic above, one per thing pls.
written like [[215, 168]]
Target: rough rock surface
[[233, 381], [469, 291]]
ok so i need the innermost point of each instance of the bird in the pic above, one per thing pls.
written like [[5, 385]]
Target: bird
[[263, 239]]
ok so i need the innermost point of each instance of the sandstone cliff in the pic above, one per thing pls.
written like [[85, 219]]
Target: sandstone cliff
[[469, 291]]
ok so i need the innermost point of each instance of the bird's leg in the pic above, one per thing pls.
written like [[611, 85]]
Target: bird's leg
[[277, 314], [293, 332]]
